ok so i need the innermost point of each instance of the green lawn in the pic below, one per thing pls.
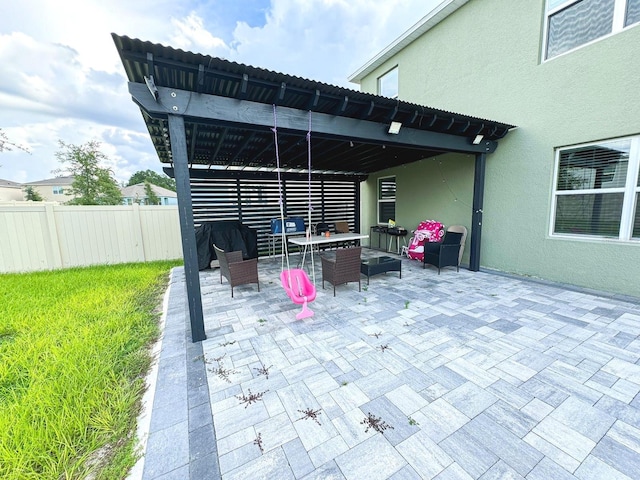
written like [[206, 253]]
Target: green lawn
[[73, 356]]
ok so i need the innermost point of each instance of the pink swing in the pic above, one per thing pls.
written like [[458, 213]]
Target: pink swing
[[295, 280], [300, 290]]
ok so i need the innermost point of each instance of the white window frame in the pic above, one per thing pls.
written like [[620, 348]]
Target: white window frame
[[384, 221], [619, 12], [630, 191], [57, 190], [385, 77]]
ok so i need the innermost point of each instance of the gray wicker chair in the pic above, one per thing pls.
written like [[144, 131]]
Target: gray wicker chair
[[236, 270], [342, 268]]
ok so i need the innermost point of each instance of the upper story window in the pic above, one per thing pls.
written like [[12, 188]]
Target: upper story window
[[386, 199], [573, 23], [597, 190], [58, 190], [388, 84]]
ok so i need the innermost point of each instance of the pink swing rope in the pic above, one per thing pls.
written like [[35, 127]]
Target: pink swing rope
[[300, 294]]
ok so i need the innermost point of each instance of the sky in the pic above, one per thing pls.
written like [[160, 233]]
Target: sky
[[61, 78]]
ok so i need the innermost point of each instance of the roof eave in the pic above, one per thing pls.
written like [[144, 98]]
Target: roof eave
[[430, 20]]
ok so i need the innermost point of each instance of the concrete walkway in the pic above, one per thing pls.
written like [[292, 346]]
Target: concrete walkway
[[459, 375]]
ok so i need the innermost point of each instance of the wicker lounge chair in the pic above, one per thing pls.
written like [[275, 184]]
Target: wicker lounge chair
[[342, 268], [236, 270]]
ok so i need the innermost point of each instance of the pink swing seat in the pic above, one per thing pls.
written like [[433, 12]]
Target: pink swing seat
[[300, 290]]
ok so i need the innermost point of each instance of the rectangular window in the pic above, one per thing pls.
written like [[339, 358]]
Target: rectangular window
[[573, 23], [386, 199], [597, 190], [388, 84], [58, 190]]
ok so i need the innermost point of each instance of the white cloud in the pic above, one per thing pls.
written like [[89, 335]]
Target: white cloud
[[61, 78], [190, 34]]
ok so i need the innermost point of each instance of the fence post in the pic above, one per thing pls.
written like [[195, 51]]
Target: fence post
[[52, 229], [137, 227]]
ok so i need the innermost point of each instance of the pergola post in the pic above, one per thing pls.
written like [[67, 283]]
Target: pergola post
[[185, 211], [476, 216]]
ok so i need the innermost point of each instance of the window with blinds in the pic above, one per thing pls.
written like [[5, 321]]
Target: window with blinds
[[573, 23], [597, 190], [386, 199]]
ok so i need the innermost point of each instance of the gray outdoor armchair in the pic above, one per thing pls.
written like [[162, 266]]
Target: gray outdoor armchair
[[446, 253], [343, 267], [236, 270]]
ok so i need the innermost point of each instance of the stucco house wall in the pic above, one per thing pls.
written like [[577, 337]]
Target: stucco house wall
[[10, 191], [485, 60]]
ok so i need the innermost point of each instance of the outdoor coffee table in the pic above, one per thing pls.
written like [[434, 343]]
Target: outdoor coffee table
[[373, 266]]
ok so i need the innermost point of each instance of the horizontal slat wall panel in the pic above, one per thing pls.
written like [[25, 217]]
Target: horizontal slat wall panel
[[255, 201]]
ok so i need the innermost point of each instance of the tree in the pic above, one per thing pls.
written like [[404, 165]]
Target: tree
[[92, 184], [7, 145], [31, 194], [152, 198], [161, 180]]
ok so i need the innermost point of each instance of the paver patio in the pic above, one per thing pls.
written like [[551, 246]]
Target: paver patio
[[459, 375]]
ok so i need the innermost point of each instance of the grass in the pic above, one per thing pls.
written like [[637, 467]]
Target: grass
[[73, 356]]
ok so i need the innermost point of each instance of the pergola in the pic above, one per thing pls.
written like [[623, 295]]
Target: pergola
[[211, 117]]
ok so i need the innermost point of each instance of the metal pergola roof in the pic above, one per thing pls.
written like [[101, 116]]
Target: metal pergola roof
[[227, 108], [210, 117]]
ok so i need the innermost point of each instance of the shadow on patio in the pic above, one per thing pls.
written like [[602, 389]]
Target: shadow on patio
[[461, 375]]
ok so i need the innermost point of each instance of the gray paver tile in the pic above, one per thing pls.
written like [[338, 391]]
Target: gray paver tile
[[514, 420], [470, 399], [351, 428], [384, 409], [328, 471], [595, 469], [236, 440], [271, 465], [275, 431], [618, 456], [378, 383], [328, 451], [174, 439], [372, 459], [518, 454], [298, 458], [406, 473], [453, 472], [440, 419], [238, 457], [551, 451], [565, 438], [585, 419], [424, 455], [238, 418], [468, 453], [296, 399], [349, 396], [547, 470], [626, 435], [406, 399], [501, 471]]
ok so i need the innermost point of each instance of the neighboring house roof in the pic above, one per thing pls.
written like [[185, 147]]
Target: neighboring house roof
[[137, 191], [430, 20], [9, 184], [57, 181]]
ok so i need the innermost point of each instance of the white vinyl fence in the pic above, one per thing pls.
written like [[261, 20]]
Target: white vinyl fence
[[46, 236]]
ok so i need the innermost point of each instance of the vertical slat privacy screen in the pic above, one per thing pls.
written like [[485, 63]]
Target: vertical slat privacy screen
[[255, 202]]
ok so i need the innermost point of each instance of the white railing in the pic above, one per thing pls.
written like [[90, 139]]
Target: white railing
[[47, 236]]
